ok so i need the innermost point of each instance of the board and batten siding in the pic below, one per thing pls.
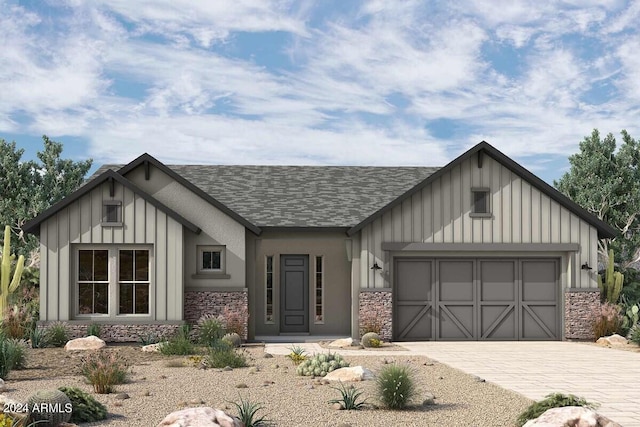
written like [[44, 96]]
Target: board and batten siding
[[439, 213], [80, 224]]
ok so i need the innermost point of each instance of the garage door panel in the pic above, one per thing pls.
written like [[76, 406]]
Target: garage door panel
[[413, 317], [415, 276], [497, 280], [539, 281], [415, 322], [455, 281], [456, 322], [498, 322], [539, 322]]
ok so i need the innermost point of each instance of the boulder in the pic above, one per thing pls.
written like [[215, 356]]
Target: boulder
[[355, 373], [151, 348], [3, 386], [341, 343], [571, 416], [614, 339], [202, 416], [87, 343]]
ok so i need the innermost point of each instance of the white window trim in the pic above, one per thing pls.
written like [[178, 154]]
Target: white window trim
[[200, 249], [272, 272], [114, 284], [315, 289]]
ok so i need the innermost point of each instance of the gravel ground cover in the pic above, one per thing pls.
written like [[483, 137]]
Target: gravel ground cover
[[159, 385]]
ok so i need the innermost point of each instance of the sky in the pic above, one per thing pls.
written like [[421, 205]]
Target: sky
[[331, 82]]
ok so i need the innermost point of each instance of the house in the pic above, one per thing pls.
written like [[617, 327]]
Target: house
[[480, 249]]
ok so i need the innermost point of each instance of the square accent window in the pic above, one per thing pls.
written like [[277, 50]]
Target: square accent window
[[481, 200], [112, 212], [211, 259]]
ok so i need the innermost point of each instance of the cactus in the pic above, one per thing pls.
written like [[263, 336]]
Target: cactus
[[48, 408], [321, 364], [367, 339], [8, 286], [613, 281], [233, 339], [86, 409]]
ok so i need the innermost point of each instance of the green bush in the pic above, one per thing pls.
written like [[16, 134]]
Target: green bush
[[634, 334], [210, 329], [38, 338], [149, 338], [554, 400], [57, 334], [104, 370], [94, 329], [12, 355], [86, 409], [395, 386], [179, 344], [222, 354], [348, 397], [247, 412], [321, 364], [297, 355], [607, 320]]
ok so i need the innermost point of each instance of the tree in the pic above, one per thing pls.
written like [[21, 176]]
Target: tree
[[30, 187], [607, 184]]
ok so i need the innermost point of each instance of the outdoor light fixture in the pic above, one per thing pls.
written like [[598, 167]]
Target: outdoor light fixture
[[376, 266], [585, 266]]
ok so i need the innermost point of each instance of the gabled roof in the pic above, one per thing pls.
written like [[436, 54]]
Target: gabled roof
[[604, 229], [309, 197], [33, 226]]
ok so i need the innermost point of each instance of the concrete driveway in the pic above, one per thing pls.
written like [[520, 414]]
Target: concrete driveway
[[606, 376]]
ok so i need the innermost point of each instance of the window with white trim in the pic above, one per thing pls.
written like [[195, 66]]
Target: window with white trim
[[319, 299], [268, 289], [113, 281], [211, 259]]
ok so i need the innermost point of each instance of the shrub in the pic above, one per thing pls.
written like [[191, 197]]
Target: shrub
[[348, 397], [634, 334], [607, 320], [395, 386], [554, 400], [297, 355], [16, 322], [149, 338], [370, 321], [57, 334], [86, 409], [247, 412], [94, 329], [233, 321], [38, 338], [221, 354], [179, 344], [321, 364], [103, 370], [12, 355], [368, 338], [210, 329]]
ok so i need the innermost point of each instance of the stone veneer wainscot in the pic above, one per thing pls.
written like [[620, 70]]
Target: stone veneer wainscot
[[379, 301], [123, 332], [580, 305], [199, 303]]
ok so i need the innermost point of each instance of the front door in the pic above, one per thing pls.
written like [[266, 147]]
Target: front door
[[294, 293]]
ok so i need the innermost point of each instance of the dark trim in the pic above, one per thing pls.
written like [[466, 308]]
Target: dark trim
[[212, 289], [480, 159], [211, 276], [313, 229], [147, 171], [376, 289], [579, 290], [604, 230], [184, 182], [33, 226], [481, 247], [112, 187]]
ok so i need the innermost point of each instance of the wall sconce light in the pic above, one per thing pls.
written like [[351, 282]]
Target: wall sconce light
[[376, 267], [585, 266]]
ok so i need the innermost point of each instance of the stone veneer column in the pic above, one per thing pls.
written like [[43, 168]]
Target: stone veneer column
[[580, 305], [199, 303], [380, 302]]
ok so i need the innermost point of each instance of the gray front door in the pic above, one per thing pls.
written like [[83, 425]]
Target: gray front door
[[294, 293]]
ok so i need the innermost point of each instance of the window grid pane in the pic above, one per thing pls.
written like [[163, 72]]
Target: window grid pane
[[319, 290], [269, 290], [93, 282], [211, 260], [480, 202]]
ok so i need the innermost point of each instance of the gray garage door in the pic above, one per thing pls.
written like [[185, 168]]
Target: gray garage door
[[476, 299]]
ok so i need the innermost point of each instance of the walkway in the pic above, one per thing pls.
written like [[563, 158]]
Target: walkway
[[606, 376]]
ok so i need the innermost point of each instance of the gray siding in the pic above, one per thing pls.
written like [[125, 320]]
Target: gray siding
[[217, 229], [79, 225], [439, 213]]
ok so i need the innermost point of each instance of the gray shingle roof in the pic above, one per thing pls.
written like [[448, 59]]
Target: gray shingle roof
[[302, 196]]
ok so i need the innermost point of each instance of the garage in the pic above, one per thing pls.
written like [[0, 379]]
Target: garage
[[476, 299]]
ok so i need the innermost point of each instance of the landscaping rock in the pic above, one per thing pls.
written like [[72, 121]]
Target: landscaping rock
[[337, 406], [202, 416], [87, 343], [122, 396], [613, 340], [341, 343], [355, 373], [268, 356], [429, 399], [571, 416], [152, 348], [3, 386]]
